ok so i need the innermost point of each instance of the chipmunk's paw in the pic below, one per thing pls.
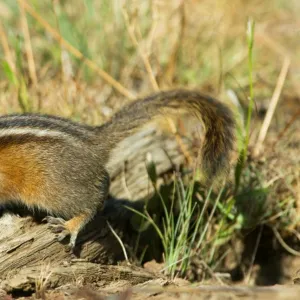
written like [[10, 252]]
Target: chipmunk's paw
[[57, 226], [66, 228]]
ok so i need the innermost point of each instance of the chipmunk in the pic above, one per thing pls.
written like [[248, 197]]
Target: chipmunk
[[59, 166]]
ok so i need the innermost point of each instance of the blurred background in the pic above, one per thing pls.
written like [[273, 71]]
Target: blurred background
[[86, 59], [144, 45]]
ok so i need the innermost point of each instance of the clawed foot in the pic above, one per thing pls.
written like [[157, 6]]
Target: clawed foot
[[63, 228], [57, 226]]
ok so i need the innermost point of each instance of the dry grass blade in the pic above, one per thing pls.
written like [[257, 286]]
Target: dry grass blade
[[8, 54], [105, 76], [178, 136], [42, 281], [287, 126], [28, 47], [272, 106], [144, 56], [273, 44], [172, 63], [249, 273], [212, 274]]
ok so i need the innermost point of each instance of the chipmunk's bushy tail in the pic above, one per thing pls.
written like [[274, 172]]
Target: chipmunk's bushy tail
[[216, 117]]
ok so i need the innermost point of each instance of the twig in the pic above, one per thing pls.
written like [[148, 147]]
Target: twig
[[120, 242], [105, 76], [6, 49], [283, 243], [272, 106], [28, 47]]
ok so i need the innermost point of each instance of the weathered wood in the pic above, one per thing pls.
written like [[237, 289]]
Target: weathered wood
[[26, 243], [128, 166], [32, 244], [82, 273]]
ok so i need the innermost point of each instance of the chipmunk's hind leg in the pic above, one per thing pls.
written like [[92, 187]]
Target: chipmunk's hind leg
[[80, 201], [68, 228]]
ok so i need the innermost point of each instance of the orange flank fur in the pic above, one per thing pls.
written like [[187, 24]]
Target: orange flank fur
[[20, 176]]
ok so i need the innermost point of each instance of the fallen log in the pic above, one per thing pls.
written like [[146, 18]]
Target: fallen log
[[33, 279]]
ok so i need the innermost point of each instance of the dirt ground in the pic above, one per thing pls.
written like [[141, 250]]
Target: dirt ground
[[162, 289]]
